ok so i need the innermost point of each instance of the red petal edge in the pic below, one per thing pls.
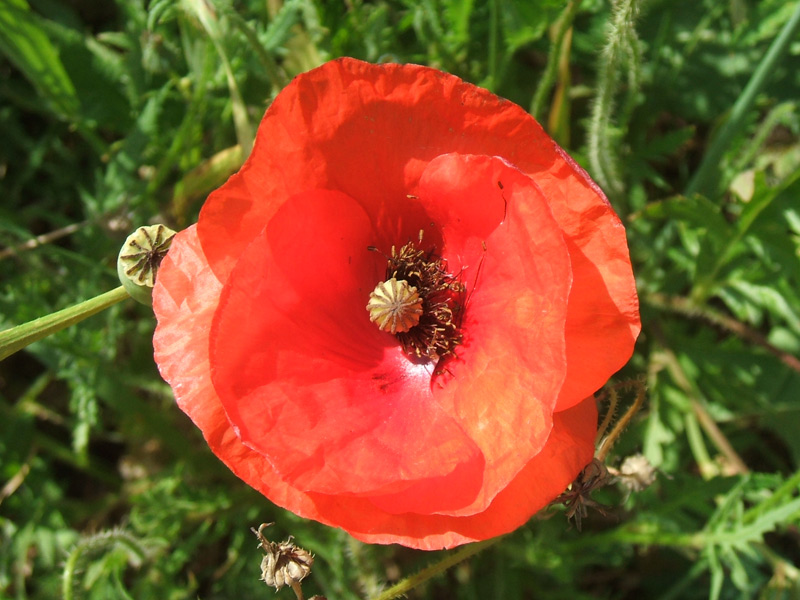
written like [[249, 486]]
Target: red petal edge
[[185, 301], [370, 130]]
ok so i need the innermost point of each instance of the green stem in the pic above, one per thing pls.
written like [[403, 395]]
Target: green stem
[[277, 77], [688, 308], [448, 561], [706, 178], [697, 403], [493, 42], [782, 495], [637, 534], [96, 545], [562, 26], [694, 436], [15, 339]]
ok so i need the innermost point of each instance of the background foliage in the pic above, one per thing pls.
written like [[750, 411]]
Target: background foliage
[[116, 114]]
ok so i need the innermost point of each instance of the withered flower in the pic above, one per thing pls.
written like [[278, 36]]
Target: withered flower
[[283, 563]]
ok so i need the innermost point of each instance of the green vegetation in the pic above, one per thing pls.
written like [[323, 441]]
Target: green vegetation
[[115, 114]]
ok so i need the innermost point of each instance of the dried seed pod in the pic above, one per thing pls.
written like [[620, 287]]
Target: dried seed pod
[[394, 306], [283, 563], [636, 473], [577, 498], [140, 258]]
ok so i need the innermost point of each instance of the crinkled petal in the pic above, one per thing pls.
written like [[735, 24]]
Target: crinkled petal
[[370, 130], [500, 235], [569, 449], [185, 300], [309, 382]]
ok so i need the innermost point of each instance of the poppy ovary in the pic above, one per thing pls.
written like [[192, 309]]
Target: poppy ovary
[[394, 306]]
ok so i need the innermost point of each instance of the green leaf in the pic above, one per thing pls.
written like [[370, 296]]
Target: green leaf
[[731, 244], [25, 44], [667, 144], [457, 13], [702, 227], [525, 22]]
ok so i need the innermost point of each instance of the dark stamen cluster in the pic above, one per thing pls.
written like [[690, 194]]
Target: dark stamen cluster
[[437, 333]]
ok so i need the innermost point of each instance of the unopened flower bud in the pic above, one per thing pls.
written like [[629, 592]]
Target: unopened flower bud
[[140, 258]]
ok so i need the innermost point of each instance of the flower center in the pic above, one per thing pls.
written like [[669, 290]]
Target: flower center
[[420, 302], [394, 306]]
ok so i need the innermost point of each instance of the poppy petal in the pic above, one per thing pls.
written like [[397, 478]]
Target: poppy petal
[[185, 300], [569, 448], [308, 381], [500, 235], [264, 336], [370, 131]]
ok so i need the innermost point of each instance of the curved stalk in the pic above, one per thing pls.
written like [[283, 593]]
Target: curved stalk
[[448, 561], [15, 339]]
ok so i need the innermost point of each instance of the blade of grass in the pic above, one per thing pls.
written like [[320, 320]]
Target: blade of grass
[[27, 46], [203, 12], [705, 181], [563, 25], [274, 72]]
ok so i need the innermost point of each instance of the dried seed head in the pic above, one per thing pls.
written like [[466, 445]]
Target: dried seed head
[[140, 258], [636, 473], [577, 498], [284, 563], [395, 306]]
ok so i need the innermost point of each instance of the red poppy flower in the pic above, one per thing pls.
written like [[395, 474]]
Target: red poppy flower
[[264, 335]]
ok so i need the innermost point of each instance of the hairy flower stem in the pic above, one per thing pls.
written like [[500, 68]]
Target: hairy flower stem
[[93, 546], [15, 339], [620, 52], [608, 441], [613, 402], [706, 179], [448, 561], [562, 26]]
